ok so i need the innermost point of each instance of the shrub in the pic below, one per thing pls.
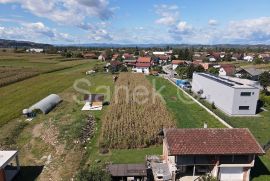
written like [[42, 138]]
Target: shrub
[[213, 106], [98, 68], [265, 98], [95, 173], [208, 178]]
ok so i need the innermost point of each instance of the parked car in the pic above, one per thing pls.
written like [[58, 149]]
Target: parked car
[[184, 84]]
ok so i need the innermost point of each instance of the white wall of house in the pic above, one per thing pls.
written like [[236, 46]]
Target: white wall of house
[[174, 66], [222, 72], [35, 50], [212, 59], [226, 98], [231, 173], [248, 58], [100, 57], [144, 70]]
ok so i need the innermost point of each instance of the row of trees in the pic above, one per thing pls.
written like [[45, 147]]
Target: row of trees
[[186, 71]]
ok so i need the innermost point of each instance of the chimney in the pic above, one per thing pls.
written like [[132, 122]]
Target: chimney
[[205, 125]]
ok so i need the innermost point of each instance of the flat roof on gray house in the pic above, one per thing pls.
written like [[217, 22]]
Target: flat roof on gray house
[[225, 81]]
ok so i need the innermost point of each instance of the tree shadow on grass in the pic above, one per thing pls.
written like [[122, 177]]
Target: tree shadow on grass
[[259, 169], [29, 173]]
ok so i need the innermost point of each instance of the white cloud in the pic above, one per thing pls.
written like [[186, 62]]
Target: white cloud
[[182, 26], [167, 20], [38, 25], [213, 22], [66, 11], [34, 32], [139, 28], [168, 14], [99, 35], [251, 31]]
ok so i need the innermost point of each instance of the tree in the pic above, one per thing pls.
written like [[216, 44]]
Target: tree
[[182, 71], [187, 71], [208, 178], [137, 51], [109, 54], [93, 174], [257, 61], [264, 80], [213, 70], [228, 57]]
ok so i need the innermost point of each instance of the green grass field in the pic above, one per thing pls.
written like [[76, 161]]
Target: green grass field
[[23, 94], [188, 114]]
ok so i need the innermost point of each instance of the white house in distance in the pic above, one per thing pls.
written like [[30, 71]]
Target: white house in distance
[[233, 98], [143, 68], [176, 63], [227, 70], [248, 58], [226, 154], [163, 53], [35, 50]]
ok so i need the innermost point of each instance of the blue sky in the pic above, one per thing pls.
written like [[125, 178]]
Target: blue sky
[[136, 21]]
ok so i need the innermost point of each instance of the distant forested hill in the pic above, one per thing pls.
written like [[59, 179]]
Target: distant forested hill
[[21, 44]]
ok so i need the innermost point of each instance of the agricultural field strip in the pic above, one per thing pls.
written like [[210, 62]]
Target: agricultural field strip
[[134, 121], [28, 91], [11, 74]]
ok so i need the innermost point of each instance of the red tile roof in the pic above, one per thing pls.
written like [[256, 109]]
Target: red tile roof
[[115, 56], [144, 60], [127, 55], [163, 57], [143, 64], [177, 62], [89, 55], [229, 68], [115, 63], [212, 141]]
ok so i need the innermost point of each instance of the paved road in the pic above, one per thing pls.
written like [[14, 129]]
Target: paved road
[[169, 71]]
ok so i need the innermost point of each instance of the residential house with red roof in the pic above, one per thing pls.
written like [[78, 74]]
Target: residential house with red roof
[[143, 65], [176, 63], [102, 57], [227, 154], [162, 58], [115, 57], [205, 65], [126, 56], [227, 70], [90, 56]]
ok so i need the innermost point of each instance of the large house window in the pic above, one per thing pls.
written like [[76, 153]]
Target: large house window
[[245, 93], [243, 107]]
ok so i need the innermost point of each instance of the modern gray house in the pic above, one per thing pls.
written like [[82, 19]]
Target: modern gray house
[[233, 98]]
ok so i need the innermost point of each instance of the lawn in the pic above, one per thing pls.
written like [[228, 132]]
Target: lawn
[[188, 114], [21, 95]]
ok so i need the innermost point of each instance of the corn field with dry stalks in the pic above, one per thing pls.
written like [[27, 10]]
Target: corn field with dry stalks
[[135, 116]]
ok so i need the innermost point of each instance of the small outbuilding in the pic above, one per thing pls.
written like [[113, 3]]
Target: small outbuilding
[[93, 102], [9, 165], [128, 172], [45, 105]]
